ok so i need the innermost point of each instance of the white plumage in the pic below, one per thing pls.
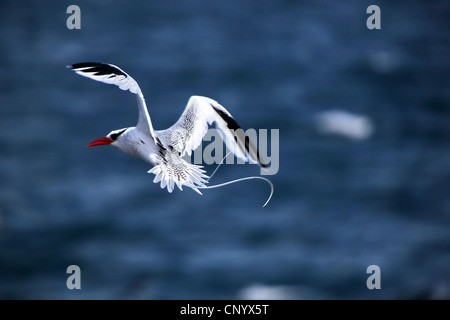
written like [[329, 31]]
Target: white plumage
[[164, 149]]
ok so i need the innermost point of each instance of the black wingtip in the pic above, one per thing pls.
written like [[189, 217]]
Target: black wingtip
[[85, 65], [263, 165], [97, 68]]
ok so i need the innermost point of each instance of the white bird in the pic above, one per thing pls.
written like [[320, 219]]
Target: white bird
[[164, 149]]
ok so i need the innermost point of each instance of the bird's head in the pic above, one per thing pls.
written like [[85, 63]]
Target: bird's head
[[113, 138]]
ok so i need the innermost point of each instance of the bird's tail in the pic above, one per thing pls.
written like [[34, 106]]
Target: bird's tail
[[174, 170], [239, 180], [171, 170], [243, 179]]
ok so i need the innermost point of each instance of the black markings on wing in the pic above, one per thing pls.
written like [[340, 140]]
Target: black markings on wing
[[98, 69], [233, 125], [162, 154]]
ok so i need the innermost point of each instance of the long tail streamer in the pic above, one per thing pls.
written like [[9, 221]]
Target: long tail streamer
[[239, 180], [243, 179]]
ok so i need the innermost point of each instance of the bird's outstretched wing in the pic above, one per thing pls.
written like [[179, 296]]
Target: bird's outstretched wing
[[111, 74], [187, 133]]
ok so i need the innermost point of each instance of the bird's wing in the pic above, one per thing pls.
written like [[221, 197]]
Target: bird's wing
[[187, 133], [111, 74]]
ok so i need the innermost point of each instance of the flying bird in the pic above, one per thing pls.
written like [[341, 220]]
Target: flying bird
[[164, 149]]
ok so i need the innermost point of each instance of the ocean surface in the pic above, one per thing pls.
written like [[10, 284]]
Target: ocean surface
[[364, 153]]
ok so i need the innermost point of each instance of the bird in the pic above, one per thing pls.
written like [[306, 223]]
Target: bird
[[165, 149]]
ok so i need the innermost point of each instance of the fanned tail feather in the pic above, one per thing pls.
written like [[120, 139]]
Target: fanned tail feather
[[171, 170], [179, 173]]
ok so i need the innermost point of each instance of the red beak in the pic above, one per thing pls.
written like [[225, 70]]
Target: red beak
[[100, 141]]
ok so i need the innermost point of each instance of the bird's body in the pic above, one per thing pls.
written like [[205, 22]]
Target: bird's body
[[164, 149]]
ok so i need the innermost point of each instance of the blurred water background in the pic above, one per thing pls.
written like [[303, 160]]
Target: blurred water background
[[364, 151]]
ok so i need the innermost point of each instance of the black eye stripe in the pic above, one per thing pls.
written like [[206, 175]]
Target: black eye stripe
[[114, 136]]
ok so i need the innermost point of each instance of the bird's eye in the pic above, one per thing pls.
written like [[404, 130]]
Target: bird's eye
[[114, 136]]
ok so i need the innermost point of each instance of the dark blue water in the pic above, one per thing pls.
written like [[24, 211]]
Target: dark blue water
[[342, 202]]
